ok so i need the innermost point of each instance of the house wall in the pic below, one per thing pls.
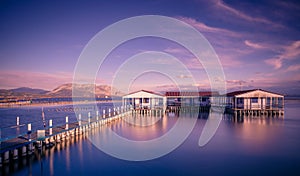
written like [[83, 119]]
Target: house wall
[[261, 97], [188, 101], [138, 100]]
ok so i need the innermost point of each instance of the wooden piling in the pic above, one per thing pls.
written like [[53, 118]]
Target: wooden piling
[[6, 157], [15, 154], [24, 151]]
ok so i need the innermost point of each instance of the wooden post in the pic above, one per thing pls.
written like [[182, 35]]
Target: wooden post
[[79, 119], [24, 151], [29, 131], [18, 121], [6, 157], [58, 138], [15, 154], [67, 121], [97, 116], [50, 127], [30, 148]]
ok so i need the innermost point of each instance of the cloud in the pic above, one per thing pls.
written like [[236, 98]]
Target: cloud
[[293, 68], [226, 43], [166, 87], [193, 63], [184, 76], [289, 5], [48, 81], [275, 62], [179, 51], [205, 28], [235, 82], [290, 52], [237, 13], [254, 45], [282, 52]]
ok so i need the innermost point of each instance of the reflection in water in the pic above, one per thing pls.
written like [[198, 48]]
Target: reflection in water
[[212, 124], [255, 133], [68, 154], [51, 160], [127, 148], [247, 134], [42, 162], [134, 128]]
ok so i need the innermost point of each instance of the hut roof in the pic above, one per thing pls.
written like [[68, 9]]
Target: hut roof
[[150, 92], [236, 93], [190, 94]]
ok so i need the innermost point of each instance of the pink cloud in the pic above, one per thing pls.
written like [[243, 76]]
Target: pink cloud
[[293, 68], [225, 42], [275, 62], [205, 28], [235, 82], [290, 52], [254, 45], [48, 81], [184, 76], [193, 63], [223, 6]]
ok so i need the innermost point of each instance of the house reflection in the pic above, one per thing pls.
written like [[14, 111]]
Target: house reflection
[[251, 129], [242, 118], [254, 133]]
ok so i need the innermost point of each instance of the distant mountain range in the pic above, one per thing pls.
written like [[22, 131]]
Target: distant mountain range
[[65, 90]]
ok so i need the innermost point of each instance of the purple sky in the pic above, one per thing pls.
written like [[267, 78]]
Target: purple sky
[[258, 42]]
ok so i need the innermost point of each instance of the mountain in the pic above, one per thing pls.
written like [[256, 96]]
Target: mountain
[[83, 90], [21, 93], [29, 90], [65, 90]]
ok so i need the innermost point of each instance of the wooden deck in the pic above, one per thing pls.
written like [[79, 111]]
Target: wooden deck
[[20, 141]]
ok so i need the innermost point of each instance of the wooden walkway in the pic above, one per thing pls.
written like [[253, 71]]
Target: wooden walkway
[[25, 144], [23, 140]]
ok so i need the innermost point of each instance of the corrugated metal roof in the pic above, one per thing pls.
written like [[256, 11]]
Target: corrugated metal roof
[[151, 92], [235, 93], [190, 94]]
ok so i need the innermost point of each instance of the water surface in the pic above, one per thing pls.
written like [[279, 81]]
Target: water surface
[[244, 146]]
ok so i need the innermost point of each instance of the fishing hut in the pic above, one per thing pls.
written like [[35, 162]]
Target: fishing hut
[[190, 100], [251, 102], [144, 101]]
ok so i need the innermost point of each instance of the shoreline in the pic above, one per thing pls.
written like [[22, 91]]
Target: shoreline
[[62, 103]]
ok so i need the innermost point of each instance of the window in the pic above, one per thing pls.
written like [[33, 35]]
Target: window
[[240, 100], [254, 100], [146, 100]]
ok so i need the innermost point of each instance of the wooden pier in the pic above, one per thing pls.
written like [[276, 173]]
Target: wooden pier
[[188, 108], [24, 145], [264, 112]]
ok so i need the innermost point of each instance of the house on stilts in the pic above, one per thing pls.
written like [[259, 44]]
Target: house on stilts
[[249, 102], [255, 102]]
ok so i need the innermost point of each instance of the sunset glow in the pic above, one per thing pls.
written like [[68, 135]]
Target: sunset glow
[[258, 43]]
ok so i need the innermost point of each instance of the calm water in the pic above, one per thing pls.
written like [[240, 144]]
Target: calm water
[[249, 146]]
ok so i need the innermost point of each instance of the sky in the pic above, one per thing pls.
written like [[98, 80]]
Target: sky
[[257, 42]]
